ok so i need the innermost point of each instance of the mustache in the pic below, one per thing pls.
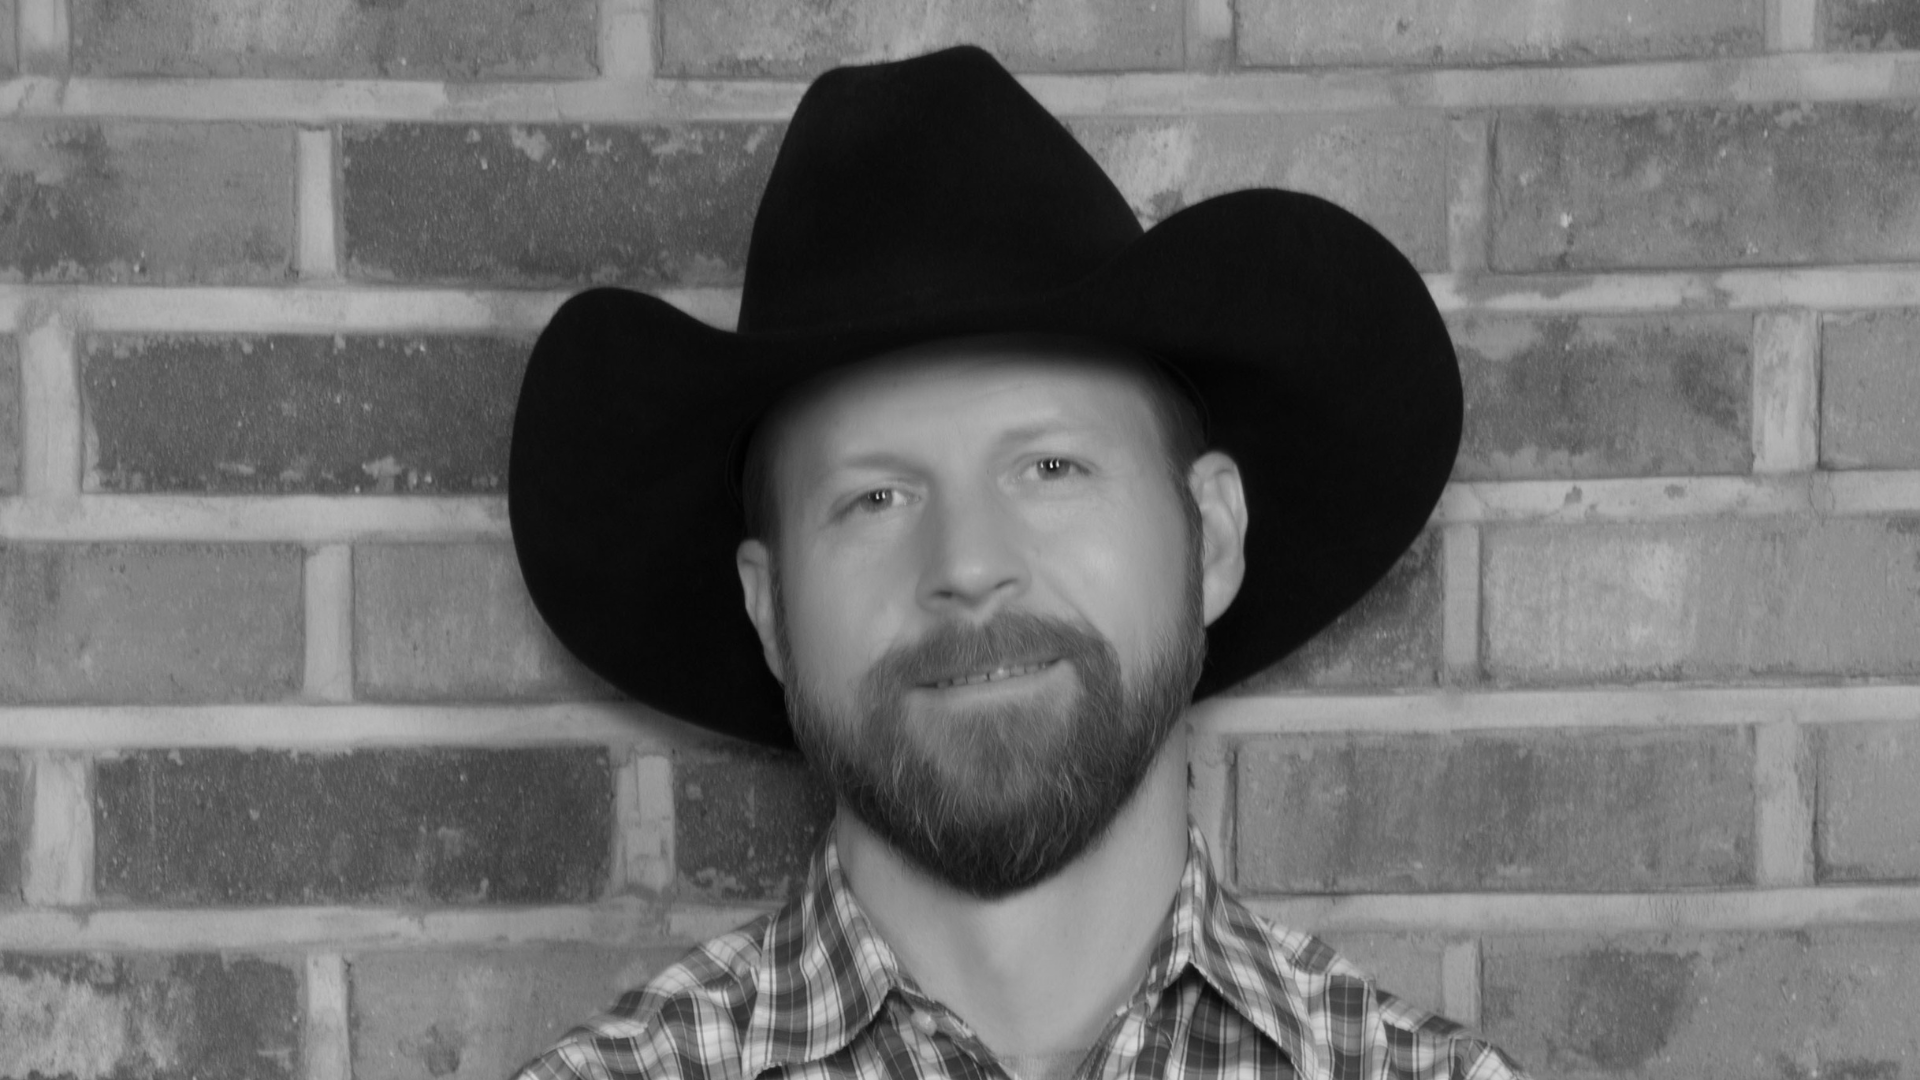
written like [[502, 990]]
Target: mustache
[[956, 649]]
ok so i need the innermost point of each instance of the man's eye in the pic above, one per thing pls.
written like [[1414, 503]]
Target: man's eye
[[1054, 468], [877, 499]]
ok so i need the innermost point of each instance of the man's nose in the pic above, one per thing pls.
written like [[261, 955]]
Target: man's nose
[[974, 556]]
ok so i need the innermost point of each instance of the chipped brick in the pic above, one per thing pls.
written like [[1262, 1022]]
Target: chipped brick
[[752, 38], [1870, 391], [184, 1017], [1593, 396], [149, 622], [1301, 33], [745, 824], [1725, 599], [284, 413], [419, 39], [553, 205], [1706, 186], [149, 204], [1867, 812], [1794, 1005], [1588, 812], [436, 621], [390, 826]]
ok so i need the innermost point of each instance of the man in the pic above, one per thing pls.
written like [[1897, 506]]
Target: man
[[1004, 484]]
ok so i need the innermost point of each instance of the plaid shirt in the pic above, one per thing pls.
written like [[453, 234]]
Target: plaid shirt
[[812, 991]]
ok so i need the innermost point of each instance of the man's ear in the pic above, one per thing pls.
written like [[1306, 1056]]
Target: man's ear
[[1214, 480], [755, 564]]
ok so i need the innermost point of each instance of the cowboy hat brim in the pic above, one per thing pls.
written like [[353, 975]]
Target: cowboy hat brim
[[1323, 366]]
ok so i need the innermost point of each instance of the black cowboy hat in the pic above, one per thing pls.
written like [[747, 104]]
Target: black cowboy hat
[[932, 198]]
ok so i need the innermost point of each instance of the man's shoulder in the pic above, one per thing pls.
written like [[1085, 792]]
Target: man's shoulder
[[1355, 1012], [687, 1021]]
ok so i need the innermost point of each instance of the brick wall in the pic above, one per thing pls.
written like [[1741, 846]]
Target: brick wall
[[1619, 763]]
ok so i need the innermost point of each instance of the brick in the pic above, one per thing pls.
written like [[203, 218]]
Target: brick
[[1634, 395], [746, 824], [1870, 391], [1867, 814], [480, 1015], [1389, 168], [250, 414], [1406, 965], [389, 826], [754, 38], [9, 415], [552, 204], [149, 204], [1704, 186], [422, 39], [149, 622], [1587, 812], [14, 823], [1861, 25], [1792, 1005], [437, 621], [195, 1016], [1723, 599], [1391, 637], [1299, 33]]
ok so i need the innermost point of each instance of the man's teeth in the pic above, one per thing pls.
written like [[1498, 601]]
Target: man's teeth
[[993, 676]]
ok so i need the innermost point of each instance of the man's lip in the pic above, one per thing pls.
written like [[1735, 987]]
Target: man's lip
[[999, 672]]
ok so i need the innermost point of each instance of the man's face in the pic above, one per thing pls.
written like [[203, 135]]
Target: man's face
[[986, 601]]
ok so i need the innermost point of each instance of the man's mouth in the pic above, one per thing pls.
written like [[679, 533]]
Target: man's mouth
[[1008, 671]]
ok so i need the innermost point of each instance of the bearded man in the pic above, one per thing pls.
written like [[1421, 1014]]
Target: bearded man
[[1005, 484]]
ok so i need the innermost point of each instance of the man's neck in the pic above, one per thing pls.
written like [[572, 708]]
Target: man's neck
[[1040, 971]]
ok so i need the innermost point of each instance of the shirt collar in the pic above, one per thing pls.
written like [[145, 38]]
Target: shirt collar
[[825, 973]]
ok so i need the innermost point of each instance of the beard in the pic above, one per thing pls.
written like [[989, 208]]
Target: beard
[[995, 799]]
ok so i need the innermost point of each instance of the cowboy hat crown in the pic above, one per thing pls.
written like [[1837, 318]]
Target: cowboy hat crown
[[931, 198]]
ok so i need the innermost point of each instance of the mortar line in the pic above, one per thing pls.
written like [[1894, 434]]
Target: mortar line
[[43, 37], [58, 867], [1469, 202], [52, 427], [1460, 602], [327, 594], [1793, 25], [627, 47], [327, 1045], [315, 206], [644, 823], [1786, 392], [1783, 810], [1460, 982]]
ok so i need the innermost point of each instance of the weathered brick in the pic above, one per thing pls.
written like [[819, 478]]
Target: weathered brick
[[1722, 599], [1706, 186], [9, 416], [1589, 812], [145, 203], [1295, 33], [1389, 168], [1631, 395], [391, 826], [1870, 24], [184, 1017], [480, 1015], [284, 413], [1867, 814], [149, 622], [1406, 965], [1870, 391], [1792, 1005], [13, 827], [745, 824], [553, 204], [759, 38], [1391, 637], [454, 621], [422, 39]]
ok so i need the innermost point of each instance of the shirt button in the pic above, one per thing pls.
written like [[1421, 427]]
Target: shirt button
[[923, 1022]]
